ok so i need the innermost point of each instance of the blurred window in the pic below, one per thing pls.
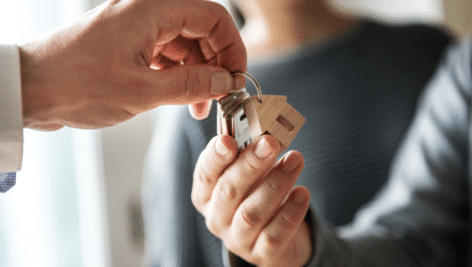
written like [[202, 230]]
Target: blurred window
[[54, 215]]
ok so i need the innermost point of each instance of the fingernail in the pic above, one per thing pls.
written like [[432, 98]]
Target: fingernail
[[221, 82], [263, 149], [220, 148], [291, 163]]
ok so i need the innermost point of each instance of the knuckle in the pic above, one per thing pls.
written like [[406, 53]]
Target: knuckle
[[218, 8], [197, 200], [200, 190], [227, 189], [250, 216], [231, 245], [258, 261], [285, 221], [192, 83], [251, 166], [204, 179], [213, 225], [272, 244], [275, 185]]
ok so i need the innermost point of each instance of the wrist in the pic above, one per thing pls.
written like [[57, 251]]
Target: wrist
[[27, 82], [34, 92]]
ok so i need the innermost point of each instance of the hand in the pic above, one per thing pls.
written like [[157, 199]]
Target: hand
[[249, 201], [127, 57]]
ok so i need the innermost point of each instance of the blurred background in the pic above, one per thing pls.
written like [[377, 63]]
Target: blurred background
[[76, 201]]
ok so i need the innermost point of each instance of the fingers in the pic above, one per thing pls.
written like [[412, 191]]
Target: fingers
[[178, 51], [258, 208], [161, 62], [212, 21], [237, 180], [46, 126], [220, 41], [185, 85], [220, 152], [186, 51], [202, 32], [271, 245], [248, 201]]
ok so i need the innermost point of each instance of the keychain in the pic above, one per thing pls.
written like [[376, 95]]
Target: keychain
[[245, 118]]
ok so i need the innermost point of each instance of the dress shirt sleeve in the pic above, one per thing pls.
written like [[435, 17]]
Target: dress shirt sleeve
[[11, 121]]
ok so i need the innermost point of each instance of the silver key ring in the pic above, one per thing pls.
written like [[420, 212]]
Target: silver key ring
[[253, 80]]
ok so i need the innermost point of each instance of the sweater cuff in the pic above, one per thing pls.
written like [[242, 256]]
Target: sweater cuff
[[11, 120]]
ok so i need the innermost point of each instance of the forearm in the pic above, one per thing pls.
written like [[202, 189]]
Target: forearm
[[331, 249], [418, 218]]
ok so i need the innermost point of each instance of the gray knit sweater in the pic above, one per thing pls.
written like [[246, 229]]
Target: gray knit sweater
[[358, 95]]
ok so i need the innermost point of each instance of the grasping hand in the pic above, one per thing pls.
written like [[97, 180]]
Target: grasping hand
[[249, 202], [127, 57]]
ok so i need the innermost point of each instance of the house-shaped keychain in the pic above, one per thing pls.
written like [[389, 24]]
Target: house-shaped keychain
[[246, 118], [273, 115]]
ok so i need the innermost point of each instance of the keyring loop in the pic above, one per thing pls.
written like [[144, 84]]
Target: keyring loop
[[253, 80]]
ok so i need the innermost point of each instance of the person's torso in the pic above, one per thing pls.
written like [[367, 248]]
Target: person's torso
[[358, 98]]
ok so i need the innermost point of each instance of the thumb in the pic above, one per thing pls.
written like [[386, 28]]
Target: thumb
[[190, 84]]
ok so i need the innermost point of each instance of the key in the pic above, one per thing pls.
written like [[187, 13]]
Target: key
[[232, 119], [245, 118]]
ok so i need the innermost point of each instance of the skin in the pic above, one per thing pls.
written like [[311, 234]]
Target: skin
[[287, 24], [249, 202], [127, 57]]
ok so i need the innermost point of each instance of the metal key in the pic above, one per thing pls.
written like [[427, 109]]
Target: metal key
[[232, 118], [245, 118]]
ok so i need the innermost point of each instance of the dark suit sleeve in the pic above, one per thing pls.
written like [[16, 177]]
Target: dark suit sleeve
[[420, 218]]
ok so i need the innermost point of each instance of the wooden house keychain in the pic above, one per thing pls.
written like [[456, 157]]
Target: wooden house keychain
[[245, 118]]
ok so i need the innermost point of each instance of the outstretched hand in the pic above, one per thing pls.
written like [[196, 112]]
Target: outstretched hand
[[250, 203], [127, 57]]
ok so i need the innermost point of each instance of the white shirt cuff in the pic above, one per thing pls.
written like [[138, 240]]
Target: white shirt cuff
[[11, 117]]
